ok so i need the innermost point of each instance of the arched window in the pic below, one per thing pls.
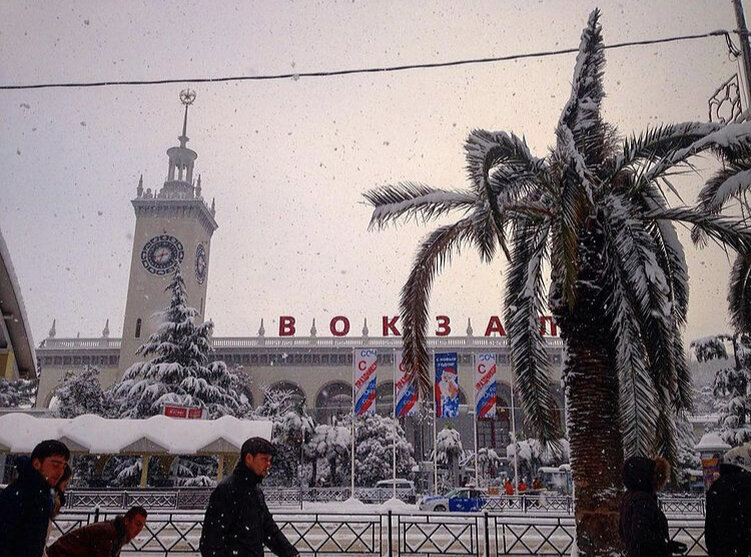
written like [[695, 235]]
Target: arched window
[[385, 398], [335, 399], [495, 432], [284, 393], [138, 328]]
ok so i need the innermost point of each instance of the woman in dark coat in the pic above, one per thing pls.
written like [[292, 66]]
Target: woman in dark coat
[[643, 525]]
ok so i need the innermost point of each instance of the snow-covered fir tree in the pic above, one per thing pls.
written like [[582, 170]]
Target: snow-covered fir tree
[[374, 440], [179, 371], [19, 393], [81, 393], [732, 383]]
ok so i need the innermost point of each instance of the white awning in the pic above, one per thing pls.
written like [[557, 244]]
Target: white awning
[[19, 433]]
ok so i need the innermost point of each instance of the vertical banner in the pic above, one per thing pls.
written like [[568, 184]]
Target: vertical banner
[[485, 386], [446, 385], [366, 362], [405, 403]]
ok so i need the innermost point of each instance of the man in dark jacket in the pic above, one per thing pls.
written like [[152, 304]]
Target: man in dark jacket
[[26, 504], [643, 526], [727, 528], [102, 539], [238, 522]]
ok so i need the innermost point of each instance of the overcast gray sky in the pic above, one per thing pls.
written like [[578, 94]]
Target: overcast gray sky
[[288, 160]]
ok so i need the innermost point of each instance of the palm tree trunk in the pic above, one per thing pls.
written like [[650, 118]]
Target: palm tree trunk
[[595, 440]]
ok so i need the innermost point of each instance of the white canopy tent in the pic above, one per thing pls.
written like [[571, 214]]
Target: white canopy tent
[[155, 436]]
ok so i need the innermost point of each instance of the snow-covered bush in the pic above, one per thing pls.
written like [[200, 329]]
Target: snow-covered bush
[[81, 393], [20, 393], [328, 452], [532, 454], [374, 441]]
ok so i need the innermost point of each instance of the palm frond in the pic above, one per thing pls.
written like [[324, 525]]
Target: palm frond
[[652, 145], [434, 253], [573, 206], [727, 231], [485, 234], [581, 115], [730, 182], [414, 200], [524, 303], [683, 396], [640, 269], [485, 150], [728, 139], [670, 253], [739, 294]]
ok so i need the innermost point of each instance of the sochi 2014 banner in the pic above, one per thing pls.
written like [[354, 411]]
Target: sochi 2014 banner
[[446, 385], [406, 390], [366, 362], [485, 386]]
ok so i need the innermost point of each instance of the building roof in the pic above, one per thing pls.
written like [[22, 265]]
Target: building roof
[[89, 434], [14, 328]]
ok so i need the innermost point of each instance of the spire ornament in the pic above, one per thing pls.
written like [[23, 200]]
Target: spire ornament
[[187, 96]]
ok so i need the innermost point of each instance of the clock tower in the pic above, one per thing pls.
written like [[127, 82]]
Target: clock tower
[[173, 227]]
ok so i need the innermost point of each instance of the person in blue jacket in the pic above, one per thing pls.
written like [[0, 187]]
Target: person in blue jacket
[[26, 504]]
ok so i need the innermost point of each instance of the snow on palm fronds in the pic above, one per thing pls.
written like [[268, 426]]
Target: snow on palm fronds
[[589, 219]]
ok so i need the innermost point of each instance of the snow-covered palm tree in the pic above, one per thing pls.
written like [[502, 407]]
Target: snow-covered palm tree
[[591, 222]]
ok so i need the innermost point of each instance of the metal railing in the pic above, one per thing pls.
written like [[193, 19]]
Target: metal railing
[[287, 497], [198, 498], [384, 534]]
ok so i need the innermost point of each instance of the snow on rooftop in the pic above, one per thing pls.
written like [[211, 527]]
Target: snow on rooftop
[[19, 433]]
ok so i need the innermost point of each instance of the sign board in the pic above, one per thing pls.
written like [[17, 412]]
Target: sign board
[[183, 412]]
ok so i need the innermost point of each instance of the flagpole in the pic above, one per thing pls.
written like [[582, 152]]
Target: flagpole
[[435, 435], [477, 468], [516, 441], [352, 426], [396, 421]]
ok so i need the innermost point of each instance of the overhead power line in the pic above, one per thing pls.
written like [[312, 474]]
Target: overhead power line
[[384, 69]]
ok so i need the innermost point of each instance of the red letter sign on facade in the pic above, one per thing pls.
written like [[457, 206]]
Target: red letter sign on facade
[[335, 330], [286, 326], [494, 326], [390, 325], [444, 327]]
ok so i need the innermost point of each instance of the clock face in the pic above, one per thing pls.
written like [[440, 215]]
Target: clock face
[[201, 266], [161, 254]]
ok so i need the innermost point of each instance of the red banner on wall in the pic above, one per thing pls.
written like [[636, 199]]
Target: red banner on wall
[[183, 412]]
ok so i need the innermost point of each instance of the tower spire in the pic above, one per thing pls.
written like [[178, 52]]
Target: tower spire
[[186, 97]]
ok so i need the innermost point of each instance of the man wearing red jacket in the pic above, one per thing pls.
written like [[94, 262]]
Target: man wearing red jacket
[[102, 539]]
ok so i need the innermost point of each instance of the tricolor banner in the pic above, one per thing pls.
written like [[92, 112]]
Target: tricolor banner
[[366, 362], [485, 386], [446, 385], [406, 390]]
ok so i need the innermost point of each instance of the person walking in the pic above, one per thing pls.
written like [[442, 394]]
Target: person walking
[[101, 539], [643, 526], [728, 522], [26, 504], [58, 500], [238, 522]]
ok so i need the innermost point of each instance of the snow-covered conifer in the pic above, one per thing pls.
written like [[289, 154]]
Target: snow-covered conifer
[[20, 393], [81, 393], [732, 383], [179, 371]]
